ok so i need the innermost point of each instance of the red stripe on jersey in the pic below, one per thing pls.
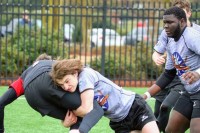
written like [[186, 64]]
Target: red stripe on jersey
[[18, 86]]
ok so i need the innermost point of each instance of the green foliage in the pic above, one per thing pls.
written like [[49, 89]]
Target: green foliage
[[101, 24], [25, 45], [129, 63], [77, 34], [194, 16], [113, 68]]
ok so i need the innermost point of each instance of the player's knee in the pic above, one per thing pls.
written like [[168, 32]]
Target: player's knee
[[156, 113], [164, 108]]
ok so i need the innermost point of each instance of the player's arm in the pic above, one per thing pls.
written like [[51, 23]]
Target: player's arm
[[191, 76], [90, 119], [164, 79], [160, 48], [87, 97], [158, 58], [90, 109]]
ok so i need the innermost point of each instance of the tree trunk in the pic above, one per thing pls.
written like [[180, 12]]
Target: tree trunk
[[85, 23]]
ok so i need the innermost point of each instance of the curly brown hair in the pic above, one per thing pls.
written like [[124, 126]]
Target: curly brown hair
[[184, 4], [64, 67], [43, 56]]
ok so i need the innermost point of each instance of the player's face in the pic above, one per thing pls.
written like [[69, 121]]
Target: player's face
[[69, 82], [171, 25]]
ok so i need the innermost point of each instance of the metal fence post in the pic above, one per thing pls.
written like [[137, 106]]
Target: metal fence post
[[103, 42]]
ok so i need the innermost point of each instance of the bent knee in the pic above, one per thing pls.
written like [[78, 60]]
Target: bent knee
[[164, 108]]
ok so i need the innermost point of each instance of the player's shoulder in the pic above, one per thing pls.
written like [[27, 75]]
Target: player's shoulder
[[196, 27], [191, 32], [163, 34], [87, 71]]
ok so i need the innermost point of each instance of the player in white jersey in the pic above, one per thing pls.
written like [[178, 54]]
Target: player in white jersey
[[126, 110], [160, 49], [183, 59], [167, 97]]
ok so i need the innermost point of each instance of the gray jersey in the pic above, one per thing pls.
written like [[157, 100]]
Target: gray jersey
[[184, 55], [196, 27], [115, 101]]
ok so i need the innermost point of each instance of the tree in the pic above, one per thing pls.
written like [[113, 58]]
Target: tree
[[86, 22], [53, 14]]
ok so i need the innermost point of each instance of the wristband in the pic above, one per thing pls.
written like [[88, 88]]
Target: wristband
[[198, 71], [148, 95]]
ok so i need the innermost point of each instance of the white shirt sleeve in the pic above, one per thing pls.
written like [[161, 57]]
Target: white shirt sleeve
[[160, 47]]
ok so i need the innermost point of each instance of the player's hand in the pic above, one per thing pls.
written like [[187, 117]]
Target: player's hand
[[190, 77], [144, 96], [70, 119], [159, 59]]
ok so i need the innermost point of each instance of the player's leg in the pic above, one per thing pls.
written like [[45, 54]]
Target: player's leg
[[160, 97], [179, 120], [8, 97], [145, 119], [140, 117], [166, 107], [195, 120], [194, 126], [163, 118], [16, 89], [157, 108], [177, 123], [150, 127]]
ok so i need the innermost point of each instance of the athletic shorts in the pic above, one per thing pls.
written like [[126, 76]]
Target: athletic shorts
[[184, 105], [174, 86], [161, 95], [173, 95], [196, 104], [139, 115]]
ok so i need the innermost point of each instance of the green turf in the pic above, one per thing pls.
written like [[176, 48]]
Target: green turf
[[20, 118]]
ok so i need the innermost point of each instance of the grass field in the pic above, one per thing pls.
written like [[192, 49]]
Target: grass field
[[20, 118]]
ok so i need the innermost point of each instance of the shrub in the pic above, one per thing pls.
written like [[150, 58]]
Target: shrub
[[25, 45], [128, 62]]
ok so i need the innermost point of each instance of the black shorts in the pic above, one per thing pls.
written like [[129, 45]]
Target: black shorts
[[139, 115], [173, 95], [161, 95], [174, 86], [184, 105], [196, 104]]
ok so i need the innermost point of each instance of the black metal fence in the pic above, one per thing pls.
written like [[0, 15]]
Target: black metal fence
[[113, 37]]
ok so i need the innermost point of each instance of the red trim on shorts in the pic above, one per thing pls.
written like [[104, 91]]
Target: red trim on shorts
[[18, 86]]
